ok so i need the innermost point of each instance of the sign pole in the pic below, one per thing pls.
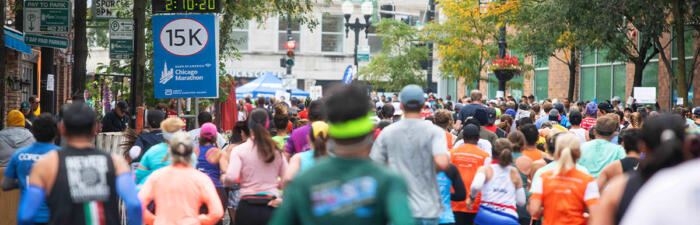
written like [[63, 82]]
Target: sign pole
[[80, 51], [138, 62]]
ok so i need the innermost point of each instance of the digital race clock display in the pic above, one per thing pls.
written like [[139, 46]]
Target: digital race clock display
[[180, 6]]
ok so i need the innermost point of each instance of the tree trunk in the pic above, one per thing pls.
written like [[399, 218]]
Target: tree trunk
[[638, 73], [678, 25], [138, 64], [3, 61], [573, 63], [80, 51]]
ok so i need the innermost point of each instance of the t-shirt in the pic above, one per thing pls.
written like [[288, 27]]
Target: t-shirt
[[155, 158], [468, 158], [672, 196], [533, 154], [587, 123], [257, 176], [410, 153], [345, 191], [580, 133], [565, 197], [598, 153], [482, 144], [298, 141], [20, 167], [281, 140]]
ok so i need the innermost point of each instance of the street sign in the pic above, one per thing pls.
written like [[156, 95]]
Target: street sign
[[121, 38], [47, 17], [349, 74], [363, 53], [106, 9], [46, 41], [185, 58]]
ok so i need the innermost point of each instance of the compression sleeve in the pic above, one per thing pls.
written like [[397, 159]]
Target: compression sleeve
[[126, 188], [520, 198], [460, 192], [31, 201], [477, 184], [134, 152]]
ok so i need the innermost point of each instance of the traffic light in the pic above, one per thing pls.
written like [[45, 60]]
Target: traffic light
[[290, 52]]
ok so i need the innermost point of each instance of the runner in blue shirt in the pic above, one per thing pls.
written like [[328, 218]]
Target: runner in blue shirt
[[17, 171]]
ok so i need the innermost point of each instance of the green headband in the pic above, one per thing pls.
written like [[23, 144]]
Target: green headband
[[352, 128]]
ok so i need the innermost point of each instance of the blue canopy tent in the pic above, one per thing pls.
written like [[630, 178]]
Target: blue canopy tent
[[300, 93], [266, 85]]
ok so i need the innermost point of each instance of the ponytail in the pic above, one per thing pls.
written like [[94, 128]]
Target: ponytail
[[180, 148], [567, 151], [505, 158], [503, 149], [258, 123], [319, 136]]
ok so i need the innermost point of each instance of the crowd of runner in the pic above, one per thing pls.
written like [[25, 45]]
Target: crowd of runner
[[349, 158]]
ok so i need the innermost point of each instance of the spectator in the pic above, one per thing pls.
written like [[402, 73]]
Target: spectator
[[14, 136], [117, 119], [28, 115]]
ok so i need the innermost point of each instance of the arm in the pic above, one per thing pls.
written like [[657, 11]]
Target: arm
[[233, 171], [35, 194], [606, 174], [289, 147], [379, 151], [126, 188], [604, 214], [478, 183], [146, 196], [280, 173], [9, 184], [520, 197], [460, 193], [211, 199], [291, 172], [223, 162], [440, 154], [535, 206]]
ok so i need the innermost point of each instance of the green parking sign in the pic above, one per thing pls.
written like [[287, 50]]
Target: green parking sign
[[47, 17]]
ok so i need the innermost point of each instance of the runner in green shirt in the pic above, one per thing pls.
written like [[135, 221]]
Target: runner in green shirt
[[349, 188]]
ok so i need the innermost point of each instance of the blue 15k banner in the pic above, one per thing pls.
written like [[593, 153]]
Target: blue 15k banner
[[185, 56]]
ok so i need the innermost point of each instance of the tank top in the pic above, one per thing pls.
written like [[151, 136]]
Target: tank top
[[206, 167], [629, 163], [634, 183], [498, 193], [84, 191], [307, 160], [445, 186]]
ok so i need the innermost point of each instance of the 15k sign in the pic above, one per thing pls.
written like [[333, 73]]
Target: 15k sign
[[185, 56]]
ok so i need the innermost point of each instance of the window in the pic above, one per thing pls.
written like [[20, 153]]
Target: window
[[600, 78], [540, 82], [282, 34], [374, 40], [239, 36], [332, 33]]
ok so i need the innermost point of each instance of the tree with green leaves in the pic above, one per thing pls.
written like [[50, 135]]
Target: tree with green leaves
[[399, 64], [546, 27], [629, 29]]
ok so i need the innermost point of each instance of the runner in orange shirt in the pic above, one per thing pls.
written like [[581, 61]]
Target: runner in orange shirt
[[565, 192], [468, 158]]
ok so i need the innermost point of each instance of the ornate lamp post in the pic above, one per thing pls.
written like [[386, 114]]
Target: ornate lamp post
[[348, 9], [502, 75]]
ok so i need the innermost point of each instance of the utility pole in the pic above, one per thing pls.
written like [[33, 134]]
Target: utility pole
[[431, 17], [289, 38], [3, 61], [80, 50], [138, 62]]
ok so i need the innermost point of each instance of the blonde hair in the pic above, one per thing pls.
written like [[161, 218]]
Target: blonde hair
[[568, 149], [636, 120], [180, 148]]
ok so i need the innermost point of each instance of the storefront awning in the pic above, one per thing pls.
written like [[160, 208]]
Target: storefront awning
[[15, 40]]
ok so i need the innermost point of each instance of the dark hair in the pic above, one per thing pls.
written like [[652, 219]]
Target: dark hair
[[523, 121], [531, 133], [44, 128], [267, 148], [387, 111], [319, 144], [517, 139], [630, 139], [247, 100], [155, 117], [240, 128], [317, 111], [204, 117], [204, 140], [260, 102], [503, 148], [79, 119], [347, 102], [122, 106], [663, 136], [575, 117], [281, 116]]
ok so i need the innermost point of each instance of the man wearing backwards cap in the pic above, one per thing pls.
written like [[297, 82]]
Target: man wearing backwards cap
[[14, 136], [80, 183], [415, 148], [317, 196]]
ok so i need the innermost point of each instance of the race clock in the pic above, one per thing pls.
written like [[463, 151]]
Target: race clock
[[186, 6]]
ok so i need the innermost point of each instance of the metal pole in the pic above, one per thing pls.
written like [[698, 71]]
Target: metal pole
[[356, 29], [289, 38], [196, 113], [3, 61], [429, 74], [138, 63]]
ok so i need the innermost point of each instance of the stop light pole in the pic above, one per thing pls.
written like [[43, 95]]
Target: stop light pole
[[290, 47]]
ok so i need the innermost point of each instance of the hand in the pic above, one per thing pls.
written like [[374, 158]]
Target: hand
[[275, 203], [469, 203]]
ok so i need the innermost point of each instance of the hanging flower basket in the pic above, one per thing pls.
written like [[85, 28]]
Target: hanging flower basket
[[506, 74]]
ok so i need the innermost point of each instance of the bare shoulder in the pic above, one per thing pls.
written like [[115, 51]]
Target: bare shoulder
[[120, 164], [44, 171], [616, 186]]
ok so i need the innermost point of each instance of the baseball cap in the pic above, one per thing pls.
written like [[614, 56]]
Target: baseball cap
[[25, 105], [606, 125], [155, 117], [614, 99], [470, 131], [412, 96], [482, 116], [170, 126], [591, 109], [208, 131], [492, 115], [696, 111], [511, 112], [605, 106]]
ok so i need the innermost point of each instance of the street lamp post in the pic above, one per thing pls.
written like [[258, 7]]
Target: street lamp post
[[356, 27], [502, 46]]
